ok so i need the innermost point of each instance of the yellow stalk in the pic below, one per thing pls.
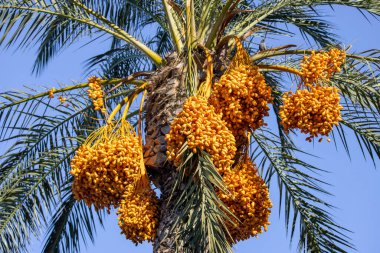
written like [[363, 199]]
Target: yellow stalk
[[128, 105], [142, 182], [127, 100], [270, 53], [140, 117], [281, 68], [116, 109], [248, 142], [205, 87], [68, 88], [94, 136]]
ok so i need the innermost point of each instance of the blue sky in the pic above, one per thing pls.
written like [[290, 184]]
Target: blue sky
[[354, 183]]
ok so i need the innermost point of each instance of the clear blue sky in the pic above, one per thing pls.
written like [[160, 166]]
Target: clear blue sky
[[355, 183]]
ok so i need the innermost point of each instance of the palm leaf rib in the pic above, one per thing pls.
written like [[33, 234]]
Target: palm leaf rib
[[269, 53], [15, 98]]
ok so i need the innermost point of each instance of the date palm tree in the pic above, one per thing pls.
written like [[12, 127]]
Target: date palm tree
[[165, 45]]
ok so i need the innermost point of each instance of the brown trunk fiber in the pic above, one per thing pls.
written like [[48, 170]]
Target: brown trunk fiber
[[166, 97]]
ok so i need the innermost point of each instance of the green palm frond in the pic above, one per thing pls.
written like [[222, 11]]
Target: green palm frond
[[124, 60], [366, 126], [360, 79], [59, 33], [248, 20], [161, 42], [28, 105], [70, 225], [207, 16], [359, 86], [33, 19], [59, 220], [299, 189], [200, 223], [310, 23], [34, 168], [119, 62], [28, 196], [62, 32], [275, 80], [131, 15], [371, 6], [270, 10]]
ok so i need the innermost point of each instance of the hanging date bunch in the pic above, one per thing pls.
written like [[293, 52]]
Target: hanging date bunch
[[319, 67], [247, 199], [201, 128], [108, 161], [241, 94], [138, 214], [109, 170], [314, 109], [95, 92]]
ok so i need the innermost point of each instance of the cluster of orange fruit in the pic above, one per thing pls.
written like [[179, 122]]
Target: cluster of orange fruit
[[105, 172], [248, 196], [138, 215], [62, 99], [51, 92], [242, 95], [202, 128], [322, 65], [95, 92], [316, 108], [247, 199], [314, 111], [238, 103]]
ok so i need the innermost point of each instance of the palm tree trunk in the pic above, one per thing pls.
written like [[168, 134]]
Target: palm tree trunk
[[166, 97], [165, 241]]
